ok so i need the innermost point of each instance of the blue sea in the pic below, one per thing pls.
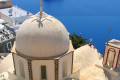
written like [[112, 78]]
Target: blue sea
[[92, 18]]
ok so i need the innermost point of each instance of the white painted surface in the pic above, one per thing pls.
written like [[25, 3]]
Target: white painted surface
[[1, 27], [18, 15], [68, 59], [6, 18], [110, 60], [17, 12], [17, 68], [49, 40], [6, 64], [50, 69], [115, 43], [84, 56], [1, 21], [116, 56]]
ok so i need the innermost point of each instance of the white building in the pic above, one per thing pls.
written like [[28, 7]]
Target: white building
[[16, 17], [112, 54], [43, 52], [13, 15]]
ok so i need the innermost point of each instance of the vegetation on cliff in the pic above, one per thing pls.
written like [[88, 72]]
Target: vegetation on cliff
[[77, 40]]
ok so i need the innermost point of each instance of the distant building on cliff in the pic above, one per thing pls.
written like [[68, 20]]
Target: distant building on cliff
[[7, 38], [14, 15]]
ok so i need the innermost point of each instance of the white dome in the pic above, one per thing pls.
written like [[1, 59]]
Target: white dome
[[50, 39]]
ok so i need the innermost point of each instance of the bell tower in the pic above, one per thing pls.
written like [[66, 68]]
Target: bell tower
[[5, 3], [112, 53]]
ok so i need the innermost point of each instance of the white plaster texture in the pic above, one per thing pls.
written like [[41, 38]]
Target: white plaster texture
[[68, 59], [47, 38], [17, 67], [50, 69]]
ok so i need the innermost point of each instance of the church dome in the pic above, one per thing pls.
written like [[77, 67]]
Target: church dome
[[45, 38]]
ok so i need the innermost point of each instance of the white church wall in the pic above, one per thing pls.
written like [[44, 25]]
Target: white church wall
[[17, 66], [68, 59], [105, 55], [50, 69]]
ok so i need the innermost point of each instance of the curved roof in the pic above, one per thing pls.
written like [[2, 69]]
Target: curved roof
[[45, 38]]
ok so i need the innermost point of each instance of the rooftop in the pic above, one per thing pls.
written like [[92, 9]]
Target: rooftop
[[115, 43], [14, 11]]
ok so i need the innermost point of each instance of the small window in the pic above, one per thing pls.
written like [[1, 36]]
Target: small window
[[64, 69], [43, 72], [9, 45], [21, 67]]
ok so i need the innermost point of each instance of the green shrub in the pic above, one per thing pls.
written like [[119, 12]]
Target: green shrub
[[77, 40]]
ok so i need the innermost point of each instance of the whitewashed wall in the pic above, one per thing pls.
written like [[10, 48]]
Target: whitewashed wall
[[105, 55], [25, 63], [50, 69], [7, 19], [68, 58]]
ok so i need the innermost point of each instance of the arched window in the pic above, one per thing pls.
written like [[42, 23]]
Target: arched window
[[64, 69], [110, 57], [9, 45], [21, 67]]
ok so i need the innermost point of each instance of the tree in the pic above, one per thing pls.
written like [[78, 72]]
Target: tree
[[77, 40]]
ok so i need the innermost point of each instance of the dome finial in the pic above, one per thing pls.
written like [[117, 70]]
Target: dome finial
[[41, 9], [39, 17]]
